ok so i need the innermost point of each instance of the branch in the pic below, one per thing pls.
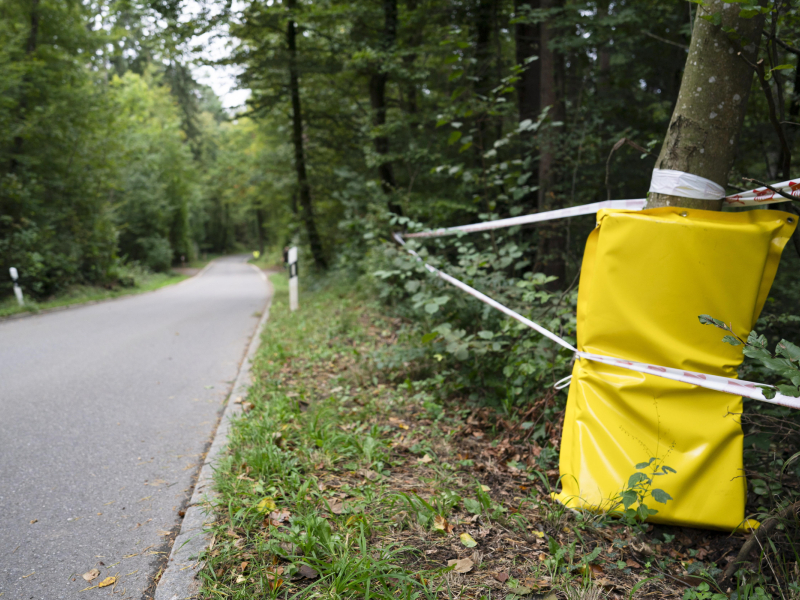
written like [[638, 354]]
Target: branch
[[758, 67], [770, 188], [665, 40], [760, 536], [781, 43]]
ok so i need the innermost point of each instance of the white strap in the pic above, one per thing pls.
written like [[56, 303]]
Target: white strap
[[713, 382], [685, 185], [572, 211]]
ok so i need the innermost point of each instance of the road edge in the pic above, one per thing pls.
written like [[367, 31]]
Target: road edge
[[179, 581], [54, 309]]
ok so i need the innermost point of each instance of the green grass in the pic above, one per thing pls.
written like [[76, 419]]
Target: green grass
[[303, 458], [80, 294]]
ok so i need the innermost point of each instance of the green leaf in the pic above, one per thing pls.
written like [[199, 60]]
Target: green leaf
[[769, 393], [429, 337], [667, 469], [660, 496], [637, 478], [782, 67], [431, 308], [454, 137], [644, 465], [729, 339], [789, 390], [788, 350], [486, 335], [629, 497]]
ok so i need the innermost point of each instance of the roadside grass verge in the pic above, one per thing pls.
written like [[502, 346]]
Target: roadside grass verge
[[348, 476], [140, 279]]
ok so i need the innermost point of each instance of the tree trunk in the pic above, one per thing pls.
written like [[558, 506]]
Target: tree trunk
[[260, 224], [377, 96], [299, 153], [527, 44], [704, 129], [551, 236], [415, 39]]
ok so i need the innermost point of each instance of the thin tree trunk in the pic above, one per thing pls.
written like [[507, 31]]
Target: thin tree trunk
[[551, 237], [527, 45], [377, 96], [299, 153], [260, 224], [708, 116], [409, 59]]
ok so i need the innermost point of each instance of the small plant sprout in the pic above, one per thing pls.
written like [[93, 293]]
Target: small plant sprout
[[639, 489]]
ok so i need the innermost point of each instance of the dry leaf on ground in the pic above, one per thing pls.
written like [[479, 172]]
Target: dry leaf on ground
[[468, 540], [425, 459], [463, 565], [107, 582], [91, 575], [440, 523]]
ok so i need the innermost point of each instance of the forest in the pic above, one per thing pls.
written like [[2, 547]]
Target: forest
[[369, 117]]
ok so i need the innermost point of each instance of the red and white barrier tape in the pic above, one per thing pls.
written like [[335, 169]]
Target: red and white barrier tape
[[754, 197]]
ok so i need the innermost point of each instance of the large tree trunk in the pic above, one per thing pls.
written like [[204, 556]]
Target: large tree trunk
[[528, 40], [551, 236], [377, 96], [299, 153], [705, 125]]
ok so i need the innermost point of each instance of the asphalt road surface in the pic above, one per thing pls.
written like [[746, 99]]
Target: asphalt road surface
[[105, 414]]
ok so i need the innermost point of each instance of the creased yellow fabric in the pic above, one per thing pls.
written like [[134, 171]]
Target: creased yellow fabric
[[647, 276]]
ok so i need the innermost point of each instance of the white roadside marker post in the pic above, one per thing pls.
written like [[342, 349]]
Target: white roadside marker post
[[293, 300], [17, 289]]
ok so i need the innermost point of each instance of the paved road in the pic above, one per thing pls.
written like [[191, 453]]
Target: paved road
[[105, 413]]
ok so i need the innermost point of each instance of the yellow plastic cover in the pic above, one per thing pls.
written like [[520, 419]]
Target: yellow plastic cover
[[646, 277]]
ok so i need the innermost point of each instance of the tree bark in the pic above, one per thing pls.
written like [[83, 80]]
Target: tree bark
[[704, 130], [551, 236], [299, 153], [377, 96], [527, 40]]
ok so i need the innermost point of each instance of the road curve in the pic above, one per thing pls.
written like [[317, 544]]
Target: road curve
[[105, 413]]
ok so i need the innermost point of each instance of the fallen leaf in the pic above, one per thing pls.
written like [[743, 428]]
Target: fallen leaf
[[34, 521], [307, 572], [486, 488], [467, 540], [440, 523], [463, 565], [91, 575], [241, 579], [369, 474], [425, 459], [266, 504], [520, 590], [107, 582], [539, 534], [277, 517], [337, 508], [248, 406], [633, 564], [502, 576]]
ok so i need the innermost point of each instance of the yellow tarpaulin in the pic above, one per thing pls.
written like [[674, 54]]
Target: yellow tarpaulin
[[646, 277]]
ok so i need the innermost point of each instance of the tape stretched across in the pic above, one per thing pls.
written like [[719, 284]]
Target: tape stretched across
[[736, 387], [755, 197]]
